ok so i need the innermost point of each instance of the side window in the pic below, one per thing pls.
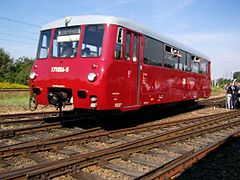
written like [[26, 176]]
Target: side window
[[119, 44], [182, 60], [195, 64], [172, 57], [128, 42], [44, 42], [153, 51], [187, 65], [92, 41], [203, 67], [135, 48]]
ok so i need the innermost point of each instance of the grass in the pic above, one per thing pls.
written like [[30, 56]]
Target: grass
[[19, 99], [11, 100], [217, 91]]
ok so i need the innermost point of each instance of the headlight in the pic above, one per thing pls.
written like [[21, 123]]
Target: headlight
[[93, 99], [32, 75], [92, 77]]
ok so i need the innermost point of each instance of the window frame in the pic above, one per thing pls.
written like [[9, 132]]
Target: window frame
[[161, 60], [174, 58], [83, 44], [126, 46], [55, 35], [40, 42], [120, 42], [195, 60], [203, 62], [135, 48]]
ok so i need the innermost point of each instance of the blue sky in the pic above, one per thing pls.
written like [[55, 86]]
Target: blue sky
[[210, 26]]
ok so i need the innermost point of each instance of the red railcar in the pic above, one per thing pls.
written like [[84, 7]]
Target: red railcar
[[107, 63]]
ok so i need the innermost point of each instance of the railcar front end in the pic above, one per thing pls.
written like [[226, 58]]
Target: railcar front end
[[70, 67]]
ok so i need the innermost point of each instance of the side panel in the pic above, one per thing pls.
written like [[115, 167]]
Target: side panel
[[164, 85]]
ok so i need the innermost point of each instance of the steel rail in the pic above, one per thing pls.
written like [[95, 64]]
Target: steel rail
[[42, 118], [26, 115], [42, 127], [14, 89], [22, 121], [48, 144], [30, 129], [51, 143], [173, 168], [52, 169]]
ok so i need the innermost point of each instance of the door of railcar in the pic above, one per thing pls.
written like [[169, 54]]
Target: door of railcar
[[132, 58]]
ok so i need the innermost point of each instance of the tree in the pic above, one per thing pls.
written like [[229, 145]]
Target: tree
[[6, 65], [221, 82], [14, 71], [22, 69], [236, 75]]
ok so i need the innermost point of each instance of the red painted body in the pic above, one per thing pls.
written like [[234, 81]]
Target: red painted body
[[120, 84]]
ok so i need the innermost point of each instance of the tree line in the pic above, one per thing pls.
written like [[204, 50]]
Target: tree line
[[14, 70], [221, 82]]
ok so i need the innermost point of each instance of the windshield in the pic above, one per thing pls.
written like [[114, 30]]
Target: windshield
[[92, 41], [44, 42], [65, 42]]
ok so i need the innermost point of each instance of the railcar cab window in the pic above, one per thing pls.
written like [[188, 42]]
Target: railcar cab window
[[65, 43], [119, 44], [153, 51], [92, 41], [44, 42]]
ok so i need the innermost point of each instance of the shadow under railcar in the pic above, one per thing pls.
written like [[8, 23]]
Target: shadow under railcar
[[112, 120]]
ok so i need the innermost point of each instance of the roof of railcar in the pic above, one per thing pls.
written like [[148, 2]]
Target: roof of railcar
[[98, 19]]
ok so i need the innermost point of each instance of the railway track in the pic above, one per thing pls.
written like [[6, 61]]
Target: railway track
[[45, 130], [102, 149], [26, 116], [29, 123], [14, 90], [213, 102], [80, 137], [29, 130]]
